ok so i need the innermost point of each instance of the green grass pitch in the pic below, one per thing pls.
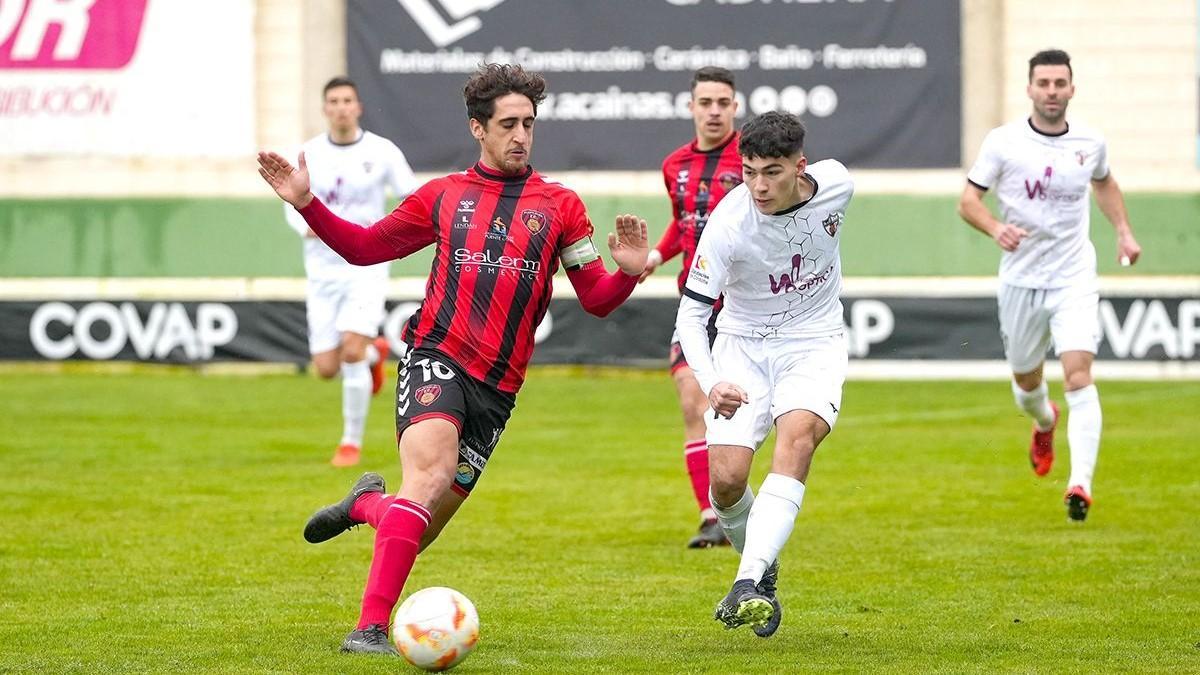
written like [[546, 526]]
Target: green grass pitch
[[152, 524]]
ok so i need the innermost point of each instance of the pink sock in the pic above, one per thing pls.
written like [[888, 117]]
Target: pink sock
[[370, 507], [695, 453], [397, 541]]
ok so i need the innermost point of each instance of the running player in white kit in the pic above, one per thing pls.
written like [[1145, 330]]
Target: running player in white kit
[[1041, 168], [350, 170], [771, 248]]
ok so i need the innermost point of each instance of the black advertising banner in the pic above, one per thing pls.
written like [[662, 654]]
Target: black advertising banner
[[910, 328], [876, 81]]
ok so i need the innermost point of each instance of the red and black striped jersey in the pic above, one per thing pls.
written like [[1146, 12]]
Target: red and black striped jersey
[[498, 241], [696, 180]]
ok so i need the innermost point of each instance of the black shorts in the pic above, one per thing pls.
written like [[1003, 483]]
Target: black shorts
[[430, 384]]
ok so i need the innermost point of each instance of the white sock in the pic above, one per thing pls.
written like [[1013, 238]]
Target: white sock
[[770, 524], [372, 354], [356, 400], [1083, 434], [1036, 404], [733, 519]]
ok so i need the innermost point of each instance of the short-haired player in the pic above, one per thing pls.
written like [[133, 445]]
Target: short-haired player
[[501, 230], [771, 250], [1042, 169]]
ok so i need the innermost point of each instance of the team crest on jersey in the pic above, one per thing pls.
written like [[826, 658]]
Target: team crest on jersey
[[534, 220], [729, 180], [428, 394], [464, 474], [1081, 156], [832, 223]]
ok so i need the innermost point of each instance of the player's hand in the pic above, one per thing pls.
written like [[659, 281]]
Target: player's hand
[[1128, 250], [1009, 236], [653, 260], [629, 244], [726, 397], [289, 182]]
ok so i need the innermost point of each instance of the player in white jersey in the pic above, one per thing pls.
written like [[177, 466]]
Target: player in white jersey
[[1041, 168], [771, 248], [350, 170]]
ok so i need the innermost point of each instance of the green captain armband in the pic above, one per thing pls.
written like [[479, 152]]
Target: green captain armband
[[579, 254]]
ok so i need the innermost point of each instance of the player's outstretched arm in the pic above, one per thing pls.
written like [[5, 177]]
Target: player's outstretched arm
[[289, 182], [388, 239], [629, 244], [600, 293]]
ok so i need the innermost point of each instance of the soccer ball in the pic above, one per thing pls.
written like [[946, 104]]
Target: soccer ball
[[436, 628]]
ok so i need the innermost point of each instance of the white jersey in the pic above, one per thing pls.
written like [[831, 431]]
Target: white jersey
[[1043, 182], [351, 180], [780, 274]]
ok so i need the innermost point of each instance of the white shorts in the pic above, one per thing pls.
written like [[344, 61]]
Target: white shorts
[[779, 375], [1033, 318], [342, 306]]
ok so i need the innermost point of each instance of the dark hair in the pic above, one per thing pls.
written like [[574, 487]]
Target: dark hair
[[494, 80], [712, 74], [1051, 57], [339, 81], [772, 134]]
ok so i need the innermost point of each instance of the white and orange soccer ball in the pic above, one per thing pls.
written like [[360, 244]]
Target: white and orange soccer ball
[[436, 628]]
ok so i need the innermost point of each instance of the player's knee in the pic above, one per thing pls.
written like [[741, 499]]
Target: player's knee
[[1028, 381], [726, 487], [1077, 379], [803, 447], [426, 486], [327, 371], [352, 352]]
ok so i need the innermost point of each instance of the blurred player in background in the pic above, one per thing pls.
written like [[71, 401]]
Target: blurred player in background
[[1041, 168], [697, 175], [352, 169], [501, 231], [771, 251]]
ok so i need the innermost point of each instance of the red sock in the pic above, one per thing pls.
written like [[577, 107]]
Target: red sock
[[396, 544], [370, 507], [695, 453]]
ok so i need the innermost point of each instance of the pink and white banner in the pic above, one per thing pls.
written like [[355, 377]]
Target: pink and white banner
[[126, 77]]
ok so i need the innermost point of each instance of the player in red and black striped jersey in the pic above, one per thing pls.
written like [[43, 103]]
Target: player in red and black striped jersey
[[500, 230], [697, 176]]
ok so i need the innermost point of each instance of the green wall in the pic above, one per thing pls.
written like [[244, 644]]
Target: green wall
[[885, 235]]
